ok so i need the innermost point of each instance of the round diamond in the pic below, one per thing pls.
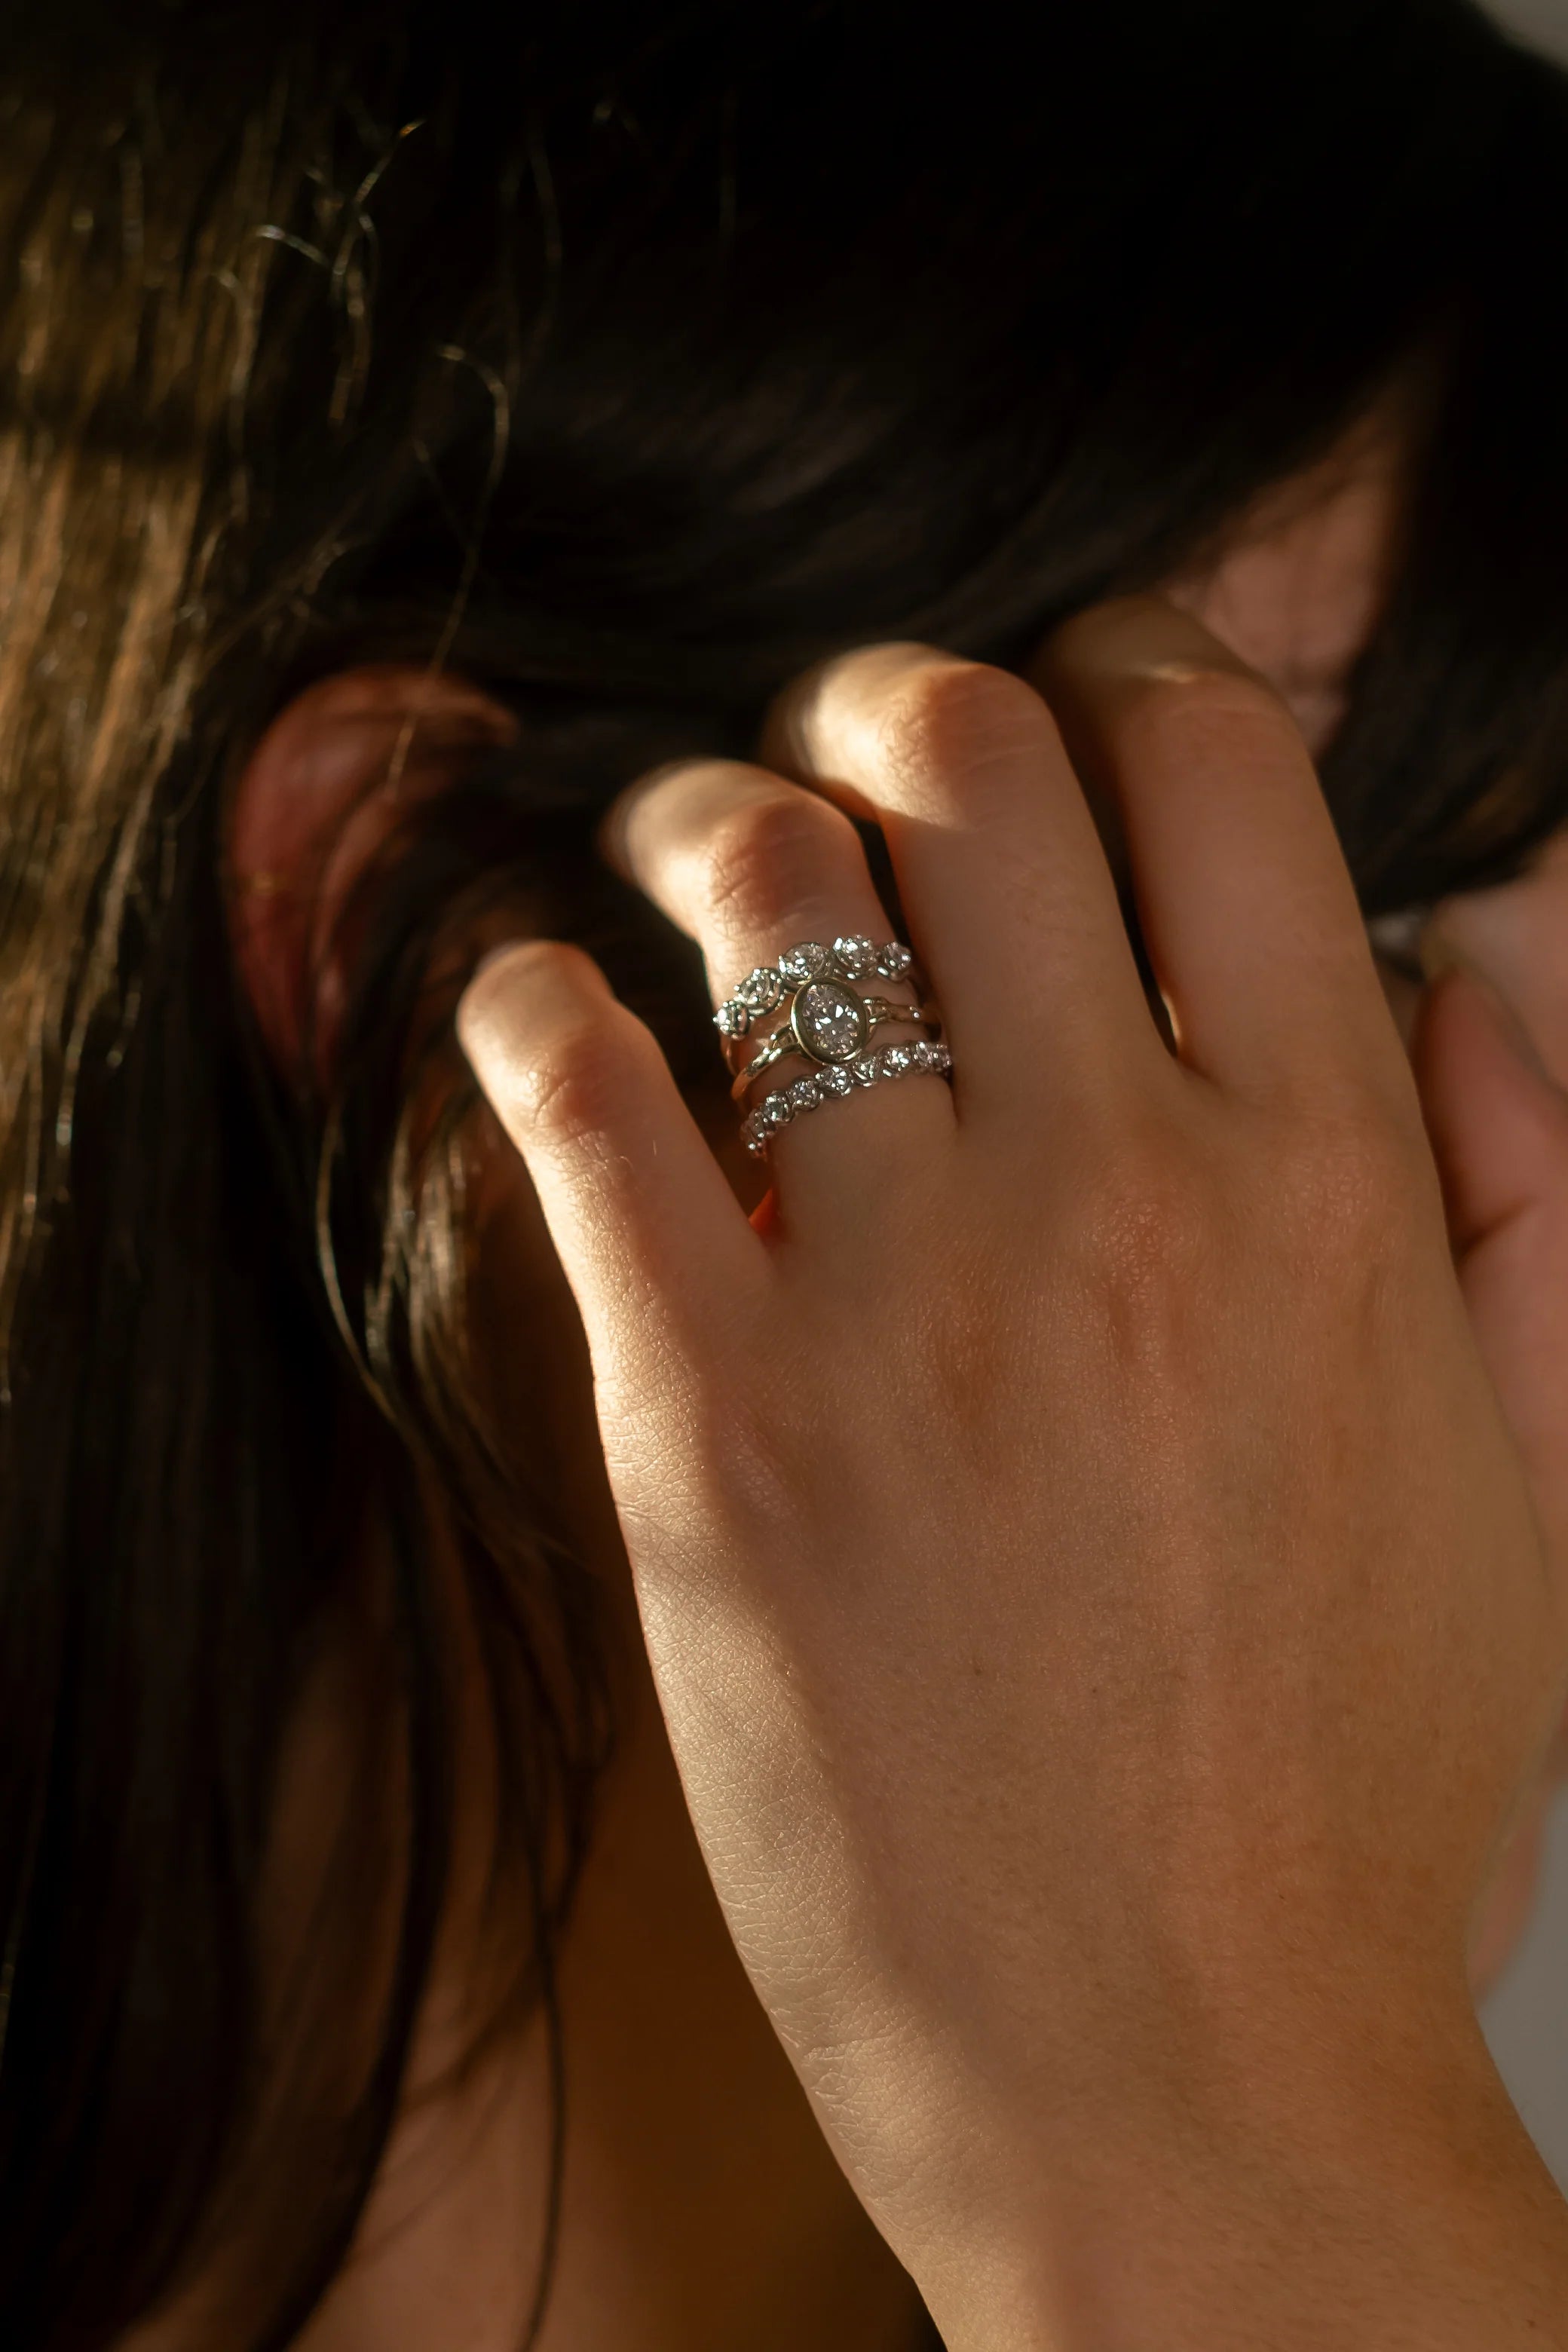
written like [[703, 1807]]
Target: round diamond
[[828, 1021], [941, 1058], [834, 1081], [855, 955], [761, 989], [807, 962], [733, 1019], [894, 959], [863, 1070], [896, 1060], [804, 1094], [752, 1133], [777, 1110]]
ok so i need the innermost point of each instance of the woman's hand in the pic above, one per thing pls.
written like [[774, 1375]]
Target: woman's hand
[[1096, 1601]]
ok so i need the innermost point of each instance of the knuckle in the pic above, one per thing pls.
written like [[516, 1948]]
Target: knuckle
[[1144, 1238], [573, 1096], [952, 725], [1164, 1238], [1165, 1241], [1344, 1185], [771, 855]]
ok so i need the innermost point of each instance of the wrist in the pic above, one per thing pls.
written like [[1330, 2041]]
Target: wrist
[[1423, 2219]]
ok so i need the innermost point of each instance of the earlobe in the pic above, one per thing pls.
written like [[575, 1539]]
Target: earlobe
[[324, 790]]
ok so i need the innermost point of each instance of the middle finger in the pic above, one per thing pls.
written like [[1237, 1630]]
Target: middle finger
[[1011, 903]]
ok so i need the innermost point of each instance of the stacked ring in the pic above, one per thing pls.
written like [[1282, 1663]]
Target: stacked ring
[[829, 1023]]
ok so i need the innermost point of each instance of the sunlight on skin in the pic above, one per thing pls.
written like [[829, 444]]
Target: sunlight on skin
[[699, 2181], [1297, 594]]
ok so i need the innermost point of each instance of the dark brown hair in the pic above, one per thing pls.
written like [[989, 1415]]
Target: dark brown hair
[[625, 359]]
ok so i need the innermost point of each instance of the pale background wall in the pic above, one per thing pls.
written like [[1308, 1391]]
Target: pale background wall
[[1527, 2017], [1544, 22]]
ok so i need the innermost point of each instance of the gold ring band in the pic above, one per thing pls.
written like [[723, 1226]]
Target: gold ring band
[[825, 1020], [779, 1043]]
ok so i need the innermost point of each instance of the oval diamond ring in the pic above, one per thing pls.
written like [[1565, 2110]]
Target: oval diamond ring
[[823, 1030]]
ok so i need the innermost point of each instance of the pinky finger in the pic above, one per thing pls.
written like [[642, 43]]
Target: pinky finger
[[655, 1244], [1498, 1126]]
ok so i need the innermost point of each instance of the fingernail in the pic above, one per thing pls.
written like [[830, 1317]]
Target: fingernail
[[472, 1009], [494, 956], [1141, 636], [615, 827], [1439, 955]]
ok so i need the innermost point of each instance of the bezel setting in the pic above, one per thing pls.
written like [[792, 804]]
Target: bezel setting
[[826, 1004], [762, 990], [810, 961], [855, 955]]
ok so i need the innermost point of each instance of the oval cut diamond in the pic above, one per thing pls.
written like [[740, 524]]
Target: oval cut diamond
[[829, 1022]]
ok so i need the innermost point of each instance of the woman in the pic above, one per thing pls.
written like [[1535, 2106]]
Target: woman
[[1097, 1525]]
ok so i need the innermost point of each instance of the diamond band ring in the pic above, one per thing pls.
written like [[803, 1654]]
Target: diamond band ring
[[829, 1026], [837, 1079], [828, 1023], [853, 957]]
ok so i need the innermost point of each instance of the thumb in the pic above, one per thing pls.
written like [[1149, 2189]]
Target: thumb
[[1498, 1129]]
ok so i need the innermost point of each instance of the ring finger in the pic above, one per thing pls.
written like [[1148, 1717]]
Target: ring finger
[[750, 865]]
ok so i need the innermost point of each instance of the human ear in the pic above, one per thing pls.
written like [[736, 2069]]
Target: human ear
[[1300, 582], [335, 775]]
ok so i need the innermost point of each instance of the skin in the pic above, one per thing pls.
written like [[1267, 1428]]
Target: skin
[[704, 2205]]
